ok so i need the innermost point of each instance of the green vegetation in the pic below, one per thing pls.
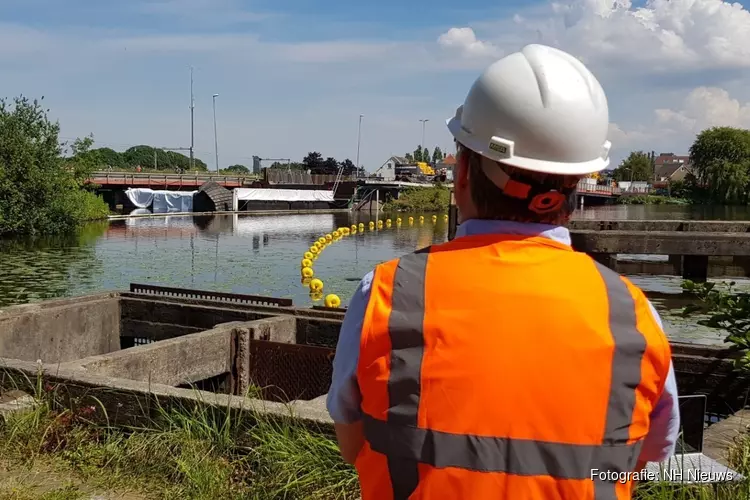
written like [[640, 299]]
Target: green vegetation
[[53, 453], [145, 157], [428, 199], [41, 192], [651, 199], [423, 155], [727, 309], [636, 167], [199, 453], [317, 165]]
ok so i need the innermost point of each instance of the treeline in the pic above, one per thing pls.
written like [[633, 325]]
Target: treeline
[[145, 157], [719, 168], [42, 190], [421, 154], [317, 165]]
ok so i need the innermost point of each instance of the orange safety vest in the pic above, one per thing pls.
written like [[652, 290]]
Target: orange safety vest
[[497, 366]]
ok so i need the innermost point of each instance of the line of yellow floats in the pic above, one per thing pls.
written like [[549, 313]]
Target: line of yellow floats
[[311, 255]]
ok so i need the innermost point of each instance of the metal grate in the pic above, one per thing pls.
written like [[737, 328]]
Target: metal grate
[[187, 293], [285, 372]]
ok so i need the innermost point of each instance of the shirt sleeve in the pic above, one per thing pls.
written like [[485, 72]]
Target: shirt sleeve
[[344, 398], [664, 431]]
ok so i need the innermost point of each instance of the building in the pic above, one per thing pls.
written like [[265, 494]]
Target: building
[[669, 167]]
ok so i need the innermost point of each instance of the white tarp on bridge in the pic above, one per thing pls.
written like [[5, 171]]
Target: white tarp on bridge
[[161, 201], [260, 194]]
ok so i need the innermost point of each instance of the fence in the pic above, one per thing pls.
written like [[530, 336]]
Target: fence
[[286, 372]]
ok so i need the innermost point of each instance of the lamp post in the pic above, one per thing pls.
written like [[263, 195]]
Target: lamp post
[[216, 137], [424, 121], [359, 137]]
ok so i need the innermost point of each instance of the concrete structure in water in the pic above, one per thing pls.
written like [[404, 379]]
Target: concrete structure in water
[[690, 244], [139, 352]]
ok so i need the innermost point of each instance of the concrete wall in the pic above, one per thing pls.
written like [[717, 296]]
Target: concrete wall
[[61, 330], [190, 358], [164, 319]]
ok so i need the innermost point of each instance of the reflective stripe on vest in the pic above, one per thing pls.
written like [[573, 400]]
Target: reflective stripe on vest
[[405, 444]]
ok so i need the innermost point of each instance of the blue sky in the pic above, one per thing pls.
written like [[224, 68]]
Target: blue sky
[[293, 76]]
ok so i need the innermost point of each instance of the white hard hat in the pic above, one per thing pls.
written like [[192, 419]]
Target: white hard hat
[[538, 109]]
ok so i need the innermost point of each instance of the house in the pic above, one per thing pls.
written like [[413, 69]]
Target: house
[[669, 167], [388, 171], [446, 166]]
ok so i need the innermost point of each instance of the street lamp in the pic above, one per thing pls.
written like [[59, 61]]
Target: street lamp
[[216, 138], [359, 137], [424, 121]]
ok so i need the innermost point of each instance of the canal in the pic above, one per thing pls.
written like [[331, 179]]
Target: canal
[[260, 254]]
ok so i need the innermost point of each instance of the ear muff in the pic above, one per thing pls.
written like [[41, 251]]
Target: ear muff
[[544, 203]]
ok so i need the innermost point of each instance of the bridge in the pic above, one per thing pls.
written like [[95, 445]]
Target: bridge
[[176, 182]]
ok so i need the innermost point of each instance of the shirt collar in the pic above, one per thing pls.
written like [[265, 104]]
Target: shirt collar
[[486, 226]]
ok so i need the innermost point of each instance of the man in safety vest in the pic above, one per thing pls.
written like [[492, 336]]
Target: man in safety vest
[[504, 364]]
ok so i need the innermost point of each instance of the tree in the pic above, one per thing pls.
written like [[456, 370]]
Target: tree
[[313, 161], [720, 160], [437, 155], [40, 190], [426, 157], [636, 167], [237, 169], [330, 166], [348, 167], [408, 157], [418, 153]]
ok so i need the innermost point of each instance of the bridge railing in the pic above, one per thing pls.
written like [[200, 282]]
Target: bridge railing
[[585, 187], [149, 179]]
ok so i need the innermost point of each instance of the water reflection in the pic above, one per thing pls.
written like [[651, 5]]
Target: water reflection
[[45, 268], [253, 254]]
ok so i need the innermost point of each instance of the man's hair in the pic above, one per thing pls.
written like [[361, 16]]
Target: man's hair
[[493, 203]]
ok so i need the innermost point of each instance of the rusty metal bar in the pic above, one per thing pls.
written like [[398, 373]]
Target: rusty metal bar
[[188, 293]]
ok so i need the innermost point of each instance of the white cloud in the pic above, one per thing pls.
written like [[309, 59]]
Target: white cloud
[[706, 107], [662, 36], [465, 41]]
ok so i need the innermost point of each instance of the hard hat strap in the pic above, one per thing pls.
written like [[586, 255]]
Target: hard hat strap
[[543, 200]]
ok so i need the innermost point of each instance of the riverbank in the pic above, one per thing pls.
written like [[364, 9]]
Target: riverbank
[[652, 199], [56, 454], [428, 199]]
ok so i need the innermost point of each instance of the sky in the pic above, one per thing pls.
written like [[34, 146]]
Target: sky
[[293, 76]]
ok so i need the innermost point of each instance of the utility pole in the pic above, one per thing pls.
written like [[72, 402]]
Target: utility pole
[[424, 121], [359, 136], [192, 122], [216, 140]]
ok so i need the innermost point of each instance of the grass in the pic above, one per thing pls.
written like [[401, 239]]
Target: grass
[[427, 199], [199, 453], [651, 199], [54, 453]]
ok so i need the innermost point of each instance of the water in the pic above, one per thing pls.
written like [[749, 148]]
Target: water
[[261, 254]]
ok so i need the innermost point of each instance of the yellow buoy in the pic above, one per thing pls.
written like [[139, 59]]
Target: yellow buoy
[[317, 245], [308, 255], [398, 220], [336, 234], [445, 217], [316, 285], [322, 240], [316, 296], [434, 218], [307, 272], [411, 220], [388, 224], [388, 221], [329, 237], [314, 250], [332, 300], [354, 228], [306, 262], [306, 282]]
